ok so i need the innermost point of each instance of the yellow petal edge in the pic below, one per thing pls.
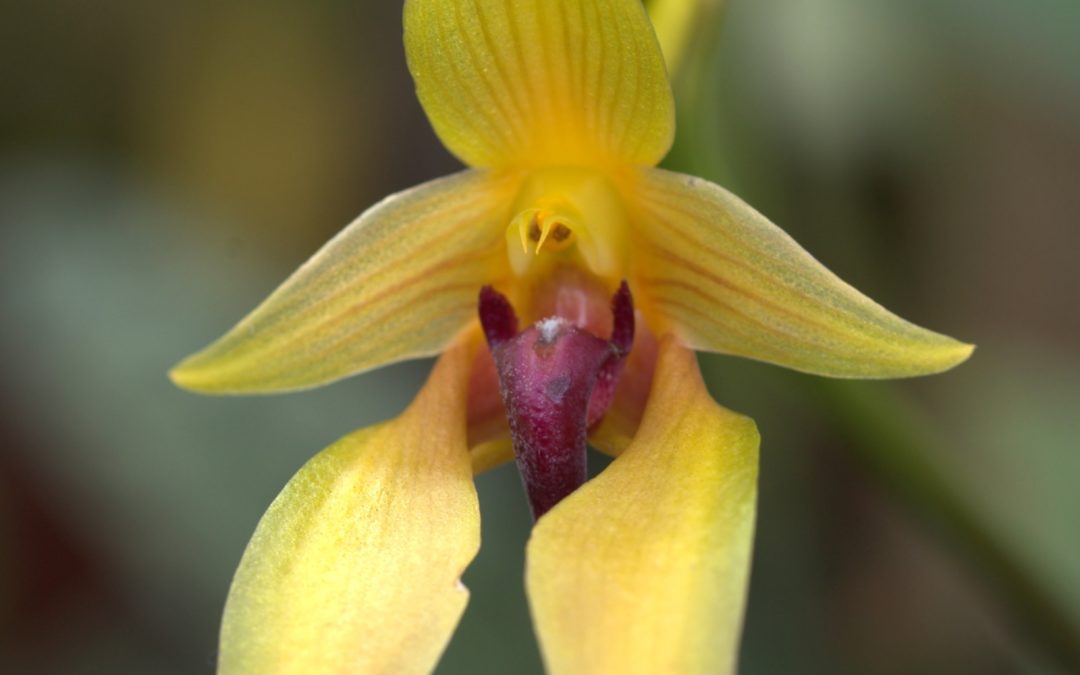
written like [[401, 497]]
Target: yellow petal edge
[[725, 279], [356, 566], [645, 568], [541, 82], [400, 282]]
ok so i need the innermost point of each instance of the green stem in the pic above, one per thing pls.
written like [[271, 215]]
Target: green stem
[[683, 26], [897, 444]]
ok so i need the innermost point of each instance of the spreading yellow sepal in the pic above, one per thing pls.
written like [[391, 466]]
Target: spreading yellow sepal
[[400, 282], [644, 570], [725, 279], [541, 82], [356, 566]]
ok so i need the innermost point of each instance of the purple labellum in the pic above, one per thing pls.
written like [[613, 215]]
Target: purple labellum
[[622, 338], [556, 380], [496, 317]]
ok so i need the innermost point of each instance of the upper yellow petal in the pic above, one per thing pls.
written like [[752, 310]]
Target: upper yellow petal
[[645, 568], [397, 283], [725, 279], [356, 566], [541, 82]]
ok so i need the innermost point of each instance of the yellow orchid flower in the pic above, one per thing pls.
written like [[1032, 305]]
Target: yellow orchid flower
[[561, 109]]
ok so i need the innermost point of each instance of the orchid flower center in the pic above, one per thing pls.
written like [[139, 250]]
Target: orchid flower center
[[567, 215], [557, 380]]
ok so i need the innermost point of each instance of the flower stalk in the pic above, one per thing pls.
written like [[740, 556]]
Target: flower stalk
[[896, 444]]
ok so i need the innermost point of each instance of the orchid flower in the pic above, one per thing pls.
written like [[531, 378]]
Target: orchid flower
[[617, 271]]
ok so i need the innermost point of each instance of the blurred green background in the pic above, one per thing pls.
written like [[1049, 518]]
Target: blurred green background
[[164, 165]]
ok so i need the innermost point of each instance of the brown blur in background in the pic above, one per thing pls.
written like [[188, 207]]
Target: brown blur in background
[[164, 165]]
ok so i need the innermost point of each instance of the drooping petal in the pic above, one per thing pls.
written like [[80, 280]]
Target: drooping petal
[[725, 279], [541, 82], [356, 566], [645, 568], [397, 283]]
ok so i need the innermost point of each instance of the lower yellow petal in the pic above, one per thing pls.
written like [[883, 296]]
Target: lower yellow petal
[[397, 283], [645, 568], [723, 278], [356, 566]]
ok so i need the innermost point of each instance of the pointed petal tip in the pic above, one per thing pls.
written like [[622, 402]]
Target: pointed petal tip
[[213, 373], [727, 280], [187, 377], [202, 373], [941, 356], [961, 352], [920, 359], [397, 283], [177, 376]]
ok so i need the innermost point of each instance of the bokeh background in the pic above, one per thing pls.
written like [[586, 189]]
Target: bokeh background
[[164, 165]]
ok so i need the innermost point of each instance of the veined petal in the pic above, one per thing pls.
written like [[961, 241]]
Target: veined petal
[[723, 278], [541, 82], [356, 566], [645, 568], [397, 283]]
